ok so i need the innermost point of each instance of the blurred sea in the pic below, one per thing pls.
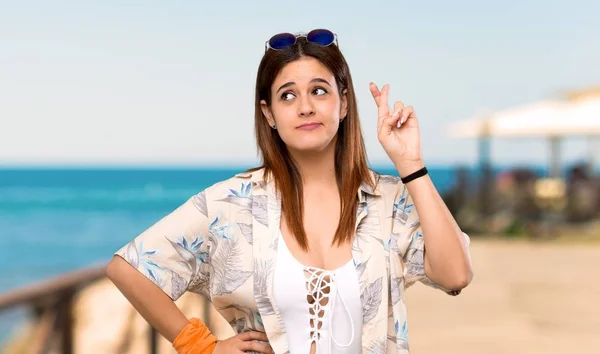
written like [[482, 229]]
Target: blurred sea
[[57, 220]]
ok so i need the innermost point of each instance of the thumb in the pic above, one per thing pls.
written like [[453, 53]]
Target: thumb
[[389, 123]]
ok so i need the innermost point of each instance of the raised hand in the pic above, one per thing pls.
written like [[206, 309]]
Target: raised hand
[[398, 131]]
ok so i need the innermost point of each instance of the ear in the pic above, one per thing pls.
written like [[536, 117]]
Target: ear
[[344, 105], [267, 112]]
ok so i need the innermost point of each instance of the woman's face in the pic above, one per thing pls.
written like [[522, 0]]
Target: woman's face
[[306, 106]]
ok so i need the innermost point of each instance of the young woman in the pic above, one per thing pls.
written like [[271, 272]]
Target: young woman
[[312, 251]]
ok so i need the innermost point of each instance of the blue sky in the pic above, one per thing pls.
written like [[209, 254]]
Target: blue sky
[[155, 82]]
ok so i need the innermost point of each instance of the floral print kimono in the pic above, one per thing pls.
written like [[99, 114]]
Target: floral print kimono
[[222, 243]]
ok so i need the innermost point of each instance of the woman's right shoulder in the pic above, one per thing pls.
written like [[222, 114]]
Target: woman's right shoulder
[[239, 185]]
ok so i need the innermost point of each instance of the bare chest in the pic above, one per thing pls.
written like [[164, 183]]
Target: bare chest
[[321, 218]]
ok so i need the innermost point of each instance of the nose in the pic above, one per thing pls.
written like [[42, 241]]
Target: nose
[[305, 108]]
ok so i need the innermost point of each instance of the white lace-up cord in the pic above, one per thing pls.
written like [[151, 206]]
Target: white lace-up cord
[[324, 279]]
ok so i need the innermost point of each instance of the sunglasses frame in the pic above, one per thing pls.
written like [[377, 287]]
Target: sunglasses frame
[[299, 35]]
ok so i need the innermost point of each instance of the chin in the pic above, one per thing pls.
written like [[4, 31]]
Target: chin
[[311, 145]]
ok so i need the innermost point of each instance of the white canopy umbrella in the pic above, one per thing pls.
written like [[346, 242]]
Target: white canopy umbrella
[[541, 119], [586, 114], [547, 119]]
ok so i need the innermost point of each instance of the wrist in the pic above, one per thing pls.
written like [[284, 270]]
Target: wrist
[[195, 338], [405, 168]]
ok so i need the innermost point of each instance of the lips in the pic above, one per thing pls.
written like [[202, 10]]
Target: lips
[[309, 126]]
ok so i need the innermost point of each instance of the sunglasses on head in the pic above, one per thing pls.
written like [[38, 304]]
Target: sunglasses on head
[[321, 37]]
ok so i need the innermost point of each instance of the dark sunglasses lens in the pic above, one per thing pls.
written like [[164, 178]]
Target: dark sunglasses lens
[[282, 40], [320, 36]]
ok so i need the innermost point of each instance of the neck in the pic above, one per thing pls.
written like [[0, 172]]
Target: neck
[[317, 168]]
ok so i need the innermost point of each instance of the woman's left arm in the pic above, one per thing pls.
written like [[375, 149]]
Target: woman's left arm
[[447, 258], [447, 261]]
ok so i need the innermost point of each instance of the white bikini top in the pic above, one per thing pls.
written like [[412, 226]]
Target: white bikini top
[[307, 298]]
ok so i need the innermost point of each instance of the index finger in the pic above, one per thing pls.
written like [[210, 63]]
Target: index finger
[[375, 92], [254, 335], [382, 103]]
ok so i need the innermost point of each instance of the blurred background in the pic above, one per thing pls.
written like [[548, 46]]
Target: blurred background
[[113, 113]]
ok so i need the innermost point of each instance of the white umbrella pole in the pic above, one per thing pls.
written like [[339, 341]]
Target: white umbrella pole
[[485, 167], [593, 147], [555, 156]]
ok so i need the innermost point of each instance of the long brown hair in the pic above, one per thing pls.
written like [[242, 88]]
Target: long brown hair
[[351, 167]]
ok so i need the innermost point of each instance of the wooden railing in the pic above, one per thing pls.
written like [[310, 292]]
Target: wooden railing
[[51, 302]]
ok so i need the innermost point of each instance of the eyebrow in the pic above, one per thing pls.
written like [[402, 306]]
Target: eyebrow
[[291, 83]]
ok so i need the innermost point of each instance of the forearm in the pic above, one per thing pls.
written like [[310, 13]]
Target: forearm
[[447, 260], [151, 302]]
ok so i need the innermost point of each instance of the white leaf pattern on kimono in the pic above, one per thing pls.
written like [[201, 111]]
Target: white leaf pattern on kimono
[[366, 227], [156, 278], [403, 207], [221, 230], [238, 324], [241, 201], [395, 285], [265, 307], [199, 200], [241, 196], [377, 347], [259, 209], [394, 243], [386, 179], [200, 284], [132, 255], [249, 316], [178, 285], [360, 268], [371, 299], [246, 230], [402, 335], [226, 267], [188, 258], [416, 266], [370, 223]]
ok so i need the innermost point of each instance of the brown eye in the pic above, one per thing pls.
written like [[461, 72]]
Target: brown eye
[[286, 96], [319, 91]]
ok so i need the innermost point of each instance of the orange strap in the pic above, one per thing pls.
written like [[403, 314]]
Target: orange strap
[[195, 338]]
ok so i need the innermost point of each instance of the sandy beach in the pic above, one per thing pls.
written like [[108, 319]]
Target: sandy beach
[[525, 298]]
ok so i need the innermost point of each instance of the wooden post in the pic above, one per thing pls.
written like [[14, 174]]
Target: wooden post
[[65, 325], [153, 341], [42, 339]]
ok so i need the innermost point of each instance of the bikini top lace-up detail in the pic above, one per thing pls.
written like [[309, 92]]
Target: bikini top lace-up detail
[[318, 306]]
